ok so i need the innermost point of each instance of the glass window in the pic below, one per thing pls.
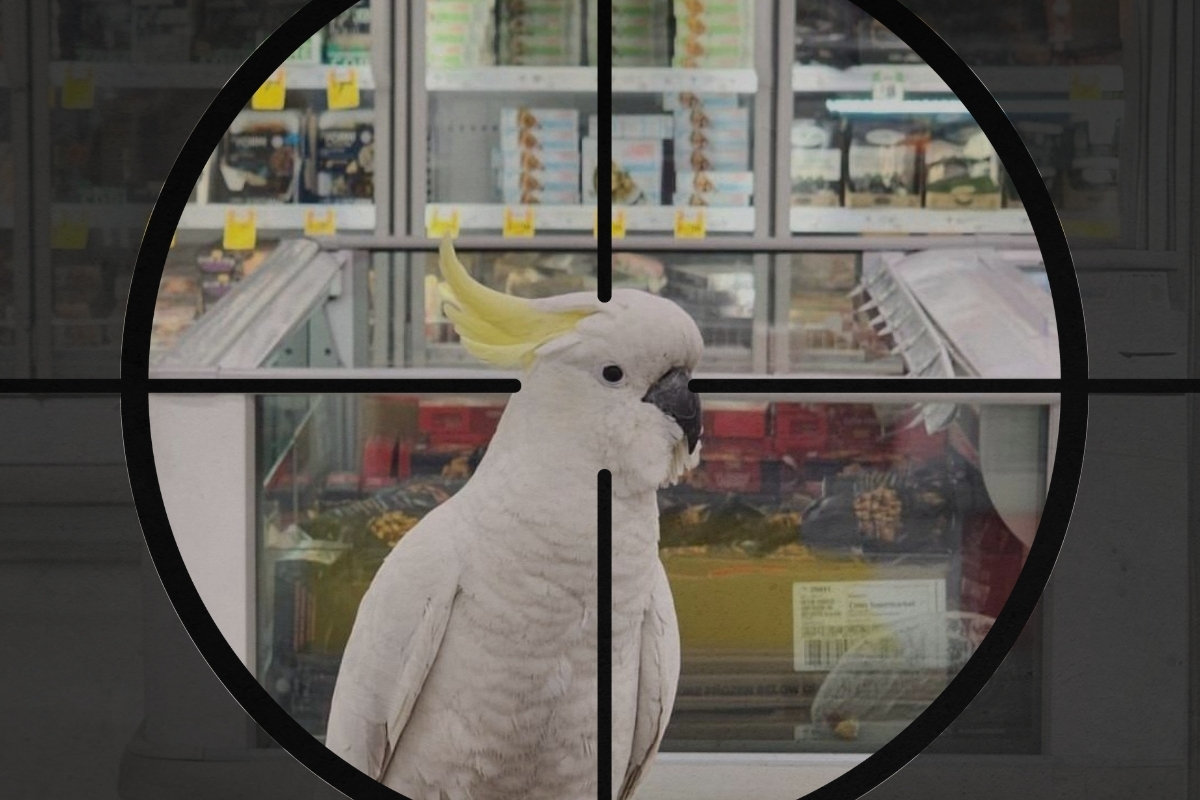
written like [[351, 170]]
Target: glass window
[[833, 564]]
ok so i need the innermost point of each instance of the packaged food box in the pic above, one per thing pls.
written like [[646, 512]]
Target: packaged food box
[[816, 166], [643, 126], [637, 172], [729, 159], [882, 164], [348, 37], [675, 101], [260, 158], [343, 169], [519, 120], [693, 198], [962, 169], [589, 179], [715, 182]]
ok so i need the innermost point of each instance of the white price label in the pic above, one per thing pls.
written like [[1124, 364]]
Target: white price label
[[833, 617]]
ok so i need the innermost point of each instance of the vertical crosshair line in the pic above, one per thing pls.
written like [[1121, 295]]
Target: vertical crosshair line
[[603, 152], [604, 636]]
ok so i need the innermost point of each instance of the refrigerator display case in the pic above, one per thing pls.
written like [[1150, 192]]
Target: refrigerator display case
[[834, 560], [14, 245], [300, 160], [504, 105]]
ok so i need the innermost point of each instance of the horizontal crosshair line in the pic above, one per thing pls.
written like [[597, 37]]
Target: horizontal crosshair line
[[101, 387]]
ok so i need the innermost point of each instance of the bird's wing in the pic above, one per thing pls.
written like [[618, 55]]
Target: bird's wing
[[394, 641], [657, 681]]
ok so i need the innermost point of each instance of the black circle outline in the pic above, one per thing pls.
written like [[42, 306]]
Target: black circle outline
[[875, 769]]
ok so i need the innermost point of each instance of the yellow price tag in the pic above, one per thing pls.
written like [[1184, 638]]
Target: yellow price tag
[[272, 94], [320, 224], [1085, 86], [518, 226], [241, 229], [690, 227], [69, 234], [439, 227], [79, 91], [618, 224], [342, 87]]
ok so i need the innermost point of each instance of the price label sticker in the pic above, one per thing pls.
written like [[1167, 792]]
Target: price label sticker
[[690, 226], [1085, 86], [272, 94], [887, 85], [518, 225], [241, 229], [342, 88], [439, 227], [69, 234], [79, 89], [618, 224], [320, 224]]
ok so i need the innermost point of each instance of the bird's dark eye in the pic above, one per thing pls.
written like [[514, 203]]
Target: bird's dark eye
[[612, 373]]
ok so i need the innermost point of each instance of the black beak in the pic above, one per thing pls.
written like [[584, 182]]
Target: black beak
[[671, 394]]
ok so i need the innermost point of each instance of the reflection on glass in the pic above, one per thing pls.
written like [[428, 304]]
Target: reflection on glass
[[833, 565]]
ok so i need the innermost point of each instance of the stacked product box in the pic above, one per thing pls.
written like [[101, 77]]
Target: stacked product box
[[816, 165], [637, 158], [539, 156], [714, 33], [458, 33], [962, 169], [712, 150], [640, 33], [539, 32], [292, 156], [347, 39]]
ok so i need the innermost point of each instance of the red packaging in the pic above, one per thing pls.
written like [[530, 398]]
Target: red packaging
[[735, 424], [800, 428]]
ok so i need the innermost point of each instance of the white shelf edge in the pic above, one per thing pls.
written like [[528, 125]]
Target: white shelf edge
[[128, 75], [281, 216], [841, 220], [490, 216], [661, 219], [821, 78], [634, 80], [513, 79]]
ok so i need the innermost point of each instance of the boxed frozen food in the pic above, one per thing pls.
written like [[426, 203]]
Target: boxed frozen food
[[816, 162], [962, 169], [260, 158], [589, 178], [703, 159], [709, 119], [689, 197], [675, 101], [825, 33], [642, 126], [343, 167], [741, 183], [539, 119], [637, 172], [459, 33], [882, 163], [348, 36]]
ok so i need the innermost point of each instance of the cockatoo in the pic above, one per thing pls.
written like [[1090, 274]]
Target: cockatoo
[[471, 670]]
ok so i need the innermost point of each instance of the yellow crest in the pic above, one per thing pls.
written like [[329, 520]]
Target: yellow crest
[[497, 327]]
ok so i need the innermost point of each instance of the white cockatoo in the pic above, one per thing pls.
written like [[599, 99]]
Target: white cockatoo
[[471, 672]]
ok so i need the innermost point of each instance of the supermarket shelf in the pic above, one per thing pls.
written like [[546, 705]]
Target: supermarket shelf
[[123, 75], [908, 220], [921, 78], [633, 80], [902, 107], [660, 219], [513, 79], [211, 216], [104, 216], [490, 216]]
